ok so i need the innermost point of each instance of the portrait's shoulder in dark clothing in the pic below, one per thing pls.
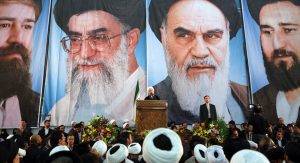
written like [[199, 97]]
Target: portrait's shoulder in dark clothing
[[29, 108], [266, 97]]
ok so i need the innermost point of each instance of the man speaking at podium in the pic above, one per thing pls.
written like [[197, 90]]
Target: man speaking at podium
[[151, 94], [207, 111]]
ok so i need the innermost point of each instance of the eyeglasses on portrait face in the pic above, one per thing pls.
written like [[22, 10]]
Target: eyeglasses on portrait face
[[99, 42]]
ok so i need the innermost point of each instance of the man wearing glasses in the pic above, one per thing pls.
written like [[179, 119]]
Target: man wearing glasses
[[103, 74]]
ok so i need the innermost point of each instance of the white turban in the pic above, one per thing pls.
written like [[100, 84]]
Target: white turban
[[117, 156], [111, 122], [253, 145], [22, 152], [100, 147], [153, 154], [215, 154], [73, 123], [200, 153], [134, 148], [125, 124], [58, 149], [248, 156], [9, 137]]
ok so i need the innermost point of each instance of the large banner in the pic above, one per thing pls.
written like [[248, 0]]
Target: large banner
[[97, 60], [272, 36], [99, 56], [23, 36], [199, 50]]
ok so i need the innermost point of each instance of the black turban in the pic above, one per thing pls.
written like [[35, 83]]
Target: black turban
[[39, 5], [256, 5], [159, 9], [129, 12]]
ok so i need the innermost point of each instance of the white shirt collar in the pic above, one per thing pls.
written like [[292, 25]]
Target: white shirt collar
[[10, 114], [289, 112]]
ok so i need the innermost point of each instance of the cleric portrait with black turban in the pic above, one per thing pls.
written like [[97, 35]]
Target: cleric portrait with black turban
[[103, 76]]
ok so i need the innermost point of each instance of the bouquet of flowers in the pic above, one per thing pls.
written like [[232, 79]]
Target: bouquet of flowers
[[98, 129], [215, 129]]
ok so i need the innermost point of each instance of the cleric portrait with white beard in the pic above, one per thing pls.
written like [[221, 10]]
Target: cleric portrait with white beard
[[195, 36], [103, 74]]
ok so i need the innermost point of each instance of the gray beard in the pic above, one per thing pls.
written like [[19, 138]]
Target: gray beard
[[98, 87], [190, 92]]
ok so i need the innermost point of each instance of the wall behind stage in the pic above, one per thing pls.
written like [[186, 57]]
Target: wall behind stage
[[246, 75]]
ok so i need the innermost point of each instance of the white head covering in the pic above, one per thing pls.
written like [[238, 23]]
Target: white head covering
[[73, 122], [152, 154], [100, 147], [215, 154], [134, 148], [111, 121], [200, 153], [58, 149], [9, 137], [253, 145], [125, 124], [21, 152], [248, 156], [117, 156]]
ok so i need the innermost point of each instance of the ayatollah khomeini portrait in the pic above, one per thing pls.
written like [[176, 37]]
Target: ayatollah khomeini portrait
[[195, 35]]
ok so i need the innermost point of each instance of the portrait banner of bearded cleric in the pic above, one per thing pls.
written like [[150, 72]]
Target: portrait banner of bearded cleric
[[279, 24], [18, 98], [100, 55], [196, 37]]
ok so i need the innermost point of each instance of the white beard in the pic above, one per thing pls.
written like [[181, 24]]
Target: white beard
[[190, 92], [98, 87]]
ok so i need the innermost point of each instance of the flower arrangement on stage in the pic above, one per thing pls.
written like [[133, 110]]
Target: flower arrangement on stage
[[215, 129], [99, 129]]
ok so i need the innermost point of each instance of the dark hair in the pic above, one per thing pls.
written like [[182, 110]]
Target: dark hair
[[256, 5], [47, 120], [78, 125], [197, 140], [122, 137], [8, 151], [292, 150], [297, 123], [231, 122], [205, 96], [83, 148], [64, 157], [173, 127], [89, 157], [275, 154], [55, 137]]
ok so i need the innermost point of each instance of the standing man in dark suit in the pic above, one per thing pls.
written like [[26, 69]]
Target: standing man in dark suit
[[46, 131], [207, 111]]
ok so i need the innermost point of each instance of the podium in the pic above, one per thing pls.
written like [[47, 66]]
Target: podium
[[151, 114]]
